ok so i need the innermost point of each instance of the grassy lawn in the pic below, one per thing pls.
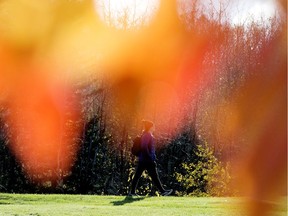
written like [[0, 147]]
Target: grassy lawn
[[29, 204]]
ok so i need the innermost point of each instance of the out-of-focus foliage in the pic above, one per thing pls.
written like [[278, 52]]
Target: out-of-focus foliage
[[198, 143]]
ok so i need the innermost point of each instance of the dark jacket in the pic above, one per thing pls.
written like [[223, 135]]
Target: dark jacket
[[147, 148]]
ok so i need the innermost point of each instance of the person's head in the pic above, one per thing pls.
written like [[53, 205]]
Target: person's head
[[148, 125]]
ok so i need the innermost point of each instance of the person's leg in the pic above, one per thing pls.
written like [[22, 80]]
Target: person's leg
[[152, 170], [139, 170]]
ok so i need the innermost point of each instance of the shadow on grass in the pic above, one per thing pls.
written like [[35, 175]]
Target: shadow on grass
[[126, 200]]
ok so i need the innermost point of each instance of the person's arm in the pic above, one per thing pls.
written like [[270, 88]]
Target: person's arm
[[152, 148], [146, 144]]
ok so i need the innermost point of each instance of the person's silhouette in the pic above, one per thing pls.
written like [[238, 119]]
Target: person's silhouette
[[147, 160]]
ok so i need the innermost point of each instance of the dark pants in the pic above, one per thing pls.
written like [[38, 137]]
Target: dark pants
[[152, 171]]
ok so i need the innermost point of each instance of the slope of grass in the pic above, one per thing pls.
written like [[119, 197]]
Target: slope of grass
[[29, 204]]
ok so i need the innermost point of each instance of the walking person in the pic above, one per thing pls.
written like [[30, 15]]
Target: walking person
[[147, 160]]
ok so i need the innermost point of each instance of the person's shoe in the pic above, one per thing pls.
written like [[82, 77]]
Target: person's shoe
[[167, 192]]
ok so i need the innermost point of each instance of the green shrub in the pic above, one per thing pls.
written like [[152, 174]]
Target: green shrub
[[207, 177]]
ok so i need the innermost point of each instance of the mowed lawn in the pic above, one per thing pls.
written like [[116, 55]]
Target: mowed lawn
[[30, 204]]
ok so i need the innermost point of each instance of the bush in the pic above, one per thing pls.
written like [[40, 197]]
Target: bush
[[207, 177]]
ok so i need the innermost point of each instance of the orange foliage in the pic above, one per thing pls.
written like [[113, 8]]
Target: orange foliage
[[151, 70]]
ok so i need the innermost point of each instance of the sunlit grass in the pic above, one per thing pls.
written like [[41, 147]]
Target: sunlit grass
[[28, 204]]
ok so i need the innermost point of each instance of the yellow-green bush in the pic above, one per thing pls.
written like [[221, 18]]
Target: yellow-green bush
[[207, 177]]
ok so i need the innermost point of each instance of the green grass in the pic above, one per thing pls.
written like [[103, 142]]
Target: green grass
[[30, 204]]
